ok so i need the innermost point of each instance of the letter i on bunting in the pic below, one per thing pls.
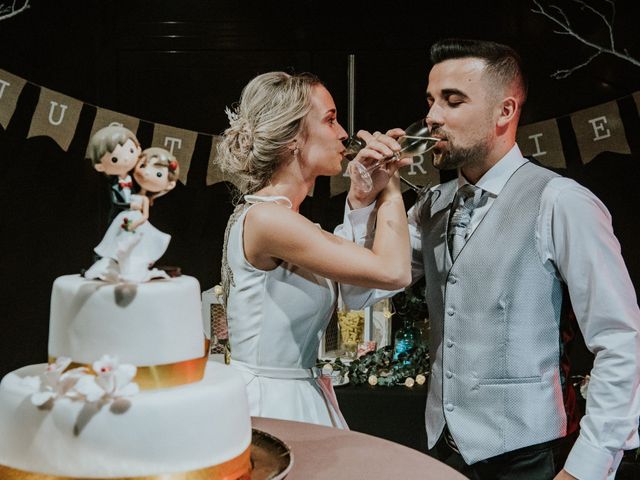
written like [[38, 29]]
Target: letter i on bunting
[[10, 88], [541, 141], [56, 116]]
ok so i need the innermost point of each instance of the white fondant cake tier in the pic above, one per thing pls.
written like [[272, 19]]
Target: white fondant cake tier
[[153, 323], [163, 431]]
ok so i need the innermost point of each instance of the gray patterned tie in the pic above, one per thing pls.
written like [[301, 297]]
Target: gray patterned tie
[[466, 200]]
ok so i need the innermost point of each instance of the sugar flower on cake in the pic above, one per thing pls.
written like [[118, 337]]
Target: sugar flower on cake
[[55, 382], [112, 380]]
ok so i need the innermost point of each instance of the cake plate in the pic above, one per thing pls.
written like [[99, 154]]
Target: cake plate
[[271, 458]]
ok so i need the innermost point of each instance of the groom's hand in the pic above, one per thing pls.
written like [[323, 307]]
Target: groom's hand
[[379, 146]]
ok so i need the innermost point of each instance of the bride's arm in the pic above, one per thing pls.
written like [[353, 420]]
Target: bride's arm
[[144, 210], [273, 232]]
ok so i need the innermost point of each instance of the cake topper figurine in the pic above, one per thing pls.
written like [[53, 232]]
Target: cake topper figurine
[[114, 151], [131, 244]]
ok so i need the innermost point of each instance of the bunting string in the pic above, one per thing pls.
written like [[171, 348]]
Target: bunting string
[[597, 129]]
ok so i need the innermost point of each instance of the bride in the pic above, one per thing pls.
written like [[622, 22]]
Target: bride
[[280, 271]]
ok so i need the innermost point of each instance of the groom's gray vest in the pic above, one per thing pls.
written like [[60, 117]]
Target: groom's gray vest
[[495, 316]]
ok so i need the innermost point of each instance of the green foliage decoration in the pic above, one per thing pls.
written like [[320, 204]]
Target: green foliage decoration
[[381, 364]]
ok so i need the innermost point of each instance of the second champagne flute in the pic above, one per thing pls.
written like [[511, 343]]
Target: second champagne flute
[[415, 141]]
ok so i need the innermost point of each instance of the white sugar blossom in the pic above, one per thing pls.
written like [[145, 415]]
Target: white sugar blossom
[[55, 382], [111, 381]]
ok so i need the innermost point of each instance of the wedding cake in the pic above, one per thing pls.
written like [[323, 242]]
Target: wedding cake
[[128, 392]]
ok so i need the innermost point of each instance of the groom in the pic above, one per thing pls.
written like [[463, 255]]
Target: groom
[[507, 248]]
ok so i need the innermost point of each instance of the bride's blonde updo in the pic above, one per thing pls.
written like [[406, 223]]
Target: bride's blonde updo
[[270, 114]]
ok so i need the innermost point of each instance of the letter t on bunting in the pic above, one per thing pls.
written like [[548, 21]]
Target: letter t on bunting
[[541, 141], [10, 88], [181, 143], [56, 116]]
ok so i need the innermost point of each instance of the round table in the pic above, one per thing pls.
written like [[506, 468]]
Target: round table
[[322, 452]]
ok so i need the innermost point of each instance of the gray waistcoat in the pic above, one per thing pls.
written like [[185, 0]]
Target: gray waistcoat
[[495, 317]]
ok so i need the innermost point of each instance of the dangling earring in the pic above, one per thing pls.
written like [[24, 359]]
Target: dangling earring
[[296, 153]]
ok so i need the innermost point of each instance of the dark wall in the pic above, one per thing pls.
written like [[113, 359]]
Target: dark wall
[[181, 63]]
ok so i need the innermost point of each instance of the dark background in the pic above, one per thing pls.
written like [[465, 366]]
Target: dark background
[[181, 62]]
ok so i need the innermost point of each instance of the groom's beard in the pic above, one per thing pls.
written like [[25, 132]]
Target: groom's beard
[[457, 157]]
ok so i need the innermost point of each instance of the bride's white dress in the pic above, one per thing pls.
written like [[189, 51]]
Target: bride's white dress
[[128, 256], [276, 320]]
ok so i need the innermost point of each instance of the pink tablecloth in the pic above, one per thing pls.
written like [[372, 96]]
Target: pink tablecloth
[[328, 453]]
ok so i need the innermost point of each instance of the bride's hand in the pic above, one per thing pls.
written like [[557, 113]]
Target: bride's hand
[[379, 147]]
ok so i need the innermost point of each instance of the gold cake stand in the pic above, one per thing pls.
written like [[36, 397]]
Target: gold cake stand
[[271, 458]]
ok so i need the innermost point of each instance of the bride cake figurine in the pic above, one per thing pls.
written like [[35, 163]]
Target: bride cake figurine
[[131, 244]]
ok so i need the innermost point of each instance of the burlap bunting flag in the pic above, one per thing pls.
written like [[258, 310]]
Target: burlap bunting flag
[[542, 142], [181, 143], [56, 116], [214, 174], [10, 88], [599, 129]]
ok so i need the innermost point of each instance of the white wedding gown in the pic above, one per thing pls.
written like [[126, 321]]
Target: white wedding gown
[[276, 320], [128, 256]]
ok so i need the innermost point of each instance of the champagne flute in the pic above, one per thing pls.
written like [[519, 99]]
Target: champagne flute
[[414, 142]]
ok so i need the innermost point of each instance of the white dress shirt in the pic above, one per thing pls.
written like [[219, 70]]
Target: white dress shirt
[[575, 240]]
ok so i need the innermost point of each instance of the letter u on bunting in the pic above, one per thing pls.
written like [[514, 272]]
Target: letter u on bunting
[[541, 141], [56, 116], [10, 88], [599, 129], [181, 143]]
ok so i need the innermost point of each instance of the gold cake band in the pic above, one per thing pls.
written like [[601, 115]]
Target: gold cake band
[[167, 375], [238, 468]]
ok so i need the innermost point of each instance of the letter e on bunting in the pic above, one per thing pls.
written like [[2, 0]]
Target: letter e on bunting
[[56, 116], [181, 143], [541, 141], [10, 88], [599, 129]]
